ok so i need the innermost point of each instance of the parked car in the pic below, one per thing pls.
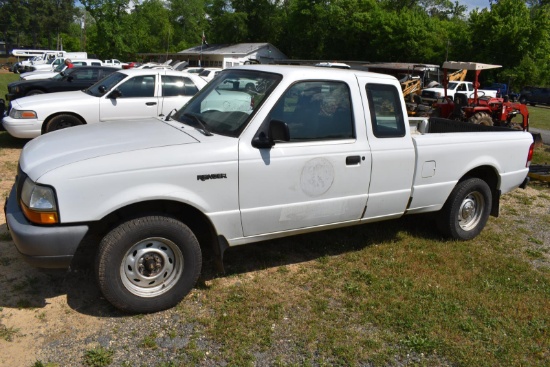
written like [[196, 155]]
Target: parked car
[[534, 95], [71, 79], [46, 74], [210, 73], [124, 94], [193, 70]]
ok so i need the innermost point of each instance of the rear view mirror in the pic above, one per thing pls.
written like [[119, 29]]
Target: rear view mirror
[[278, 131]]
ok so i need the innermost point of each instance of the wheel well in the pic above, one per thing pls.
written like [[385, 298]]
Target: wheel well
[[490, 176], [199, 224], [35, 89], [49, 118]]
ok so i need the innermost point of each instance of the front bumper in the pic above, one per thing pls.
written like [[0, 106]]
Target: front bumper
[[41, 246], [22, 128]]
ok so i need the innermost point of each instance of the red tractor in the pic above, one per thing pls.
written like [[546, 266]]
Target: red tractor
[[477, 108]]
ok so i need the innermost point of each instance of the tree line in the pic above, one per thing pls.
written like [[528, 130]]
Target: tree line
[[511, 33]]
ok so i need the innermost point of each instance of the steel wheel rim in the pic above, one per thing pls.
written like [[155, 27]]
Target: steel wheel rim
[[151, 267], [471, 211]]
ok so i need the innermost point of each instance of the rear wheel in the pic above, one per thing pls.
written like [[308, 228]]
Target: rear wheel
[[61, 122], [148, 264], [481, 118], [467, 210]]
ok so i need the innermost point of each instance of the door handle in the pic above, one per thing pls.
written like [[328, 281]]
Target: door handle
[[353, 160], [151, 103]]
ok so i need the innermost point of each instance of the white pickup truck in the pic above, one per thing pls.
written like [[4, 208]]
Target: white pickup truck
[[313, 149], [467, 88]]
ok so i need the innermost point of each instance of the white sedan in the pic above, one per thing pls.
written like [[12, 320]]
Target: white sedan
[[123, 95]]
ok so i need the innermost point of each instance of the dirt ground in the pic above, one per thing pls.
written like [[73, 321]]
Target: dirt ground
[[39, 309]]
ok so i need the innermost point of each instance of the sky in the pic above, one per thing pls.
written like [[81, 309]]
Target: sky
[[472, 4]]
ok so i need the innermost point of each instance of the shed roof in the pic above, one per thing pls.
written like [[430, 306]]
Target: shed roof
[[227, 49]]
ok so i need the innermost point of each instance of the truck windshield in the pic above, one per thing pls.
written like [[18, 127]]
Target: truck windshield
[[225, 105], [452, 86], [106, 84]]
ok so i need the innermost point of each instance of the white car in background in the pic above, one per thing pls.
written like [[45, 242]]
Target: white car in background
[[126, 94], [210, 73]]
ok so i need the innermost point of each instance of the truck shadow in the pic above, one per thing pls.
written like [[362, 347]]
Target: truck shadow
[[307, 247], [28, 287]]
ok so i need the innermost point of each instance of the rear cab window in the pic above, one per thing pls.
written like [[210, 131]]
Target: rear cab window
[[385, 111]]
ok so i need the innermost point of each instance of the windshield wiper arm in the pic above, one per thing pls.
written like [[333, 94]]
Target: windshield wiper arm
[[201, 123]]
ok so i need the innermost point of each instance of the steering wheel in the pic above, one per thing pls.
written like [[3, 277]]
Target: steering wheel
[[478, 94]]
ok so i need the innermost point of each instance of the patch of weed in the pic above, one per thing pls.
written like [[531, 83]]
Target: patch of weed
[[98, 357]]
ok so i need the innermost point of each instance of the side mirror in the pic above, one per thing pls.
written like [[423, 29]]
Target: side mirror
[[115, 94], [278, 131]]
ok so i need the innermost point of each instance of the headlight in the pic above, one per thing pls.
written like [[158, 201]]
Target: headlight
[[22, 114], [38, 203]]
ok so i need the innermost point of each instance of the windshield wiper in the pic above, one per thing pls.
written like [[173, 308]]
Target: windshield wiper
[[201, 123]]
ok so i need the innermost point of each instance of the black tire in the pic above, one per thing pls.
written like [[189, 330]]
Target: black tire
[[148, 264], [522, 100], [466, 211], [481, 118], [61, 122], [34, 92]]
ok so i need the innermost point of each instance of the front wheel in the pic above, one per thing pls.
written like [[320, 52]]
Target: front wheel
[[61, 122], [34, 92], [148, 264], [467, 210]]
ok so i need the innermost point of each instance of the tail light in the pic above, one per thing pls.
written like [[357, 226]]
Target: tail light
[[530, 155]]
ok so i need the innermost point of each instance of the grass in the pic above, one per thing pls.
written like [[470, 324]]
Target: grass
[[539, 117], [380, 294], [7, 333], [98, 357], [5, 79]]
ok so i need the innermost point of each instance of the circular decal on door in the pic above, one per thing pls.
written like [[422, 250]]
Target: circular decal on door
[[317, 177]]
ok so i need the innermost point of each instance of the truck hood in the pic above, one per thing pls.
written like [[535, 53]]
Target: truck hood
[[63, 147], [60, 98]]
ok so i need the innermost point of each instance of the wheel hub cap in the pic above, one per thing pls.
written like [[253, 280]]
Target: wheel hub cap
[[151, 267], [471, 211]]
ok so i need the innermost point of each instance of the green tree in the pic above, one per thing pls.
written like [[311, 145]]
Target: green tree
[[226, 24], [110, 18], [14, 20], [515, 36], [189, 20]]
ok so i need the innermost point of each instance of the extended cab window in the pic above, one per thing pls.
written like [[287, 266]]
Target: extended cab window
[[316, 110], [385, 111], [139, 86], [178, 86]]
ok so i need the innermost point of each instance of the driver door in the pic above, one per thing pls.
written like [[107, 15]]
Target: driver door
[[138, 100]]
